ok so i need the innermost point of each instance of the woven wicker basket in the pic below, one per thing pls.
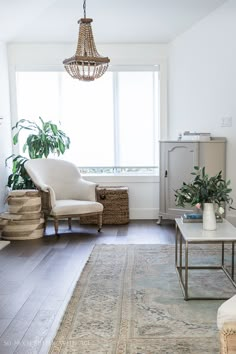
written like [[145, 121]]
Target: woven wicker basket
[[115, 202], [23, 220]]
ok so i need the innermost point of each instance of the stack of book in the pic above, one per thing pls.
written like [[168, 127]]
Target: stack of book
[[187, 135], [192, 217], [197, 217]]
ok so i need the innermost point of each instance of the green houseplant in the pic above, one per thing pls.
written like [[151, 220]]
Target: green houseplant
[[205, 192], [204, 189], [43, 139], [19, 178]]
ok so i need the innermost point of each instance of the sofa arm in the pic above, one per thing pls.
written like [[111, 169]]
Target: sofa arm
[[228, 338]]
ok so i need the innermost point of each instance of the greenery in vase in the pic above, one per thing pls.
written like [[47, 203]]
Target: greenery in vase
[[44, 138], [204, 189]]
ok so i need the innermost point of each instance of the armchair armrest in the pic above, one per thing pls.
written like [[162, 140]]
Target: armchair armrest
[[86, 190], [44, 188], [51, 195]]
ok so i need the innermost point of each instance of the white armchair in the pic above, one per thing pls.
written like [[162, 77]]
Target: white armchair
[[68, 195]]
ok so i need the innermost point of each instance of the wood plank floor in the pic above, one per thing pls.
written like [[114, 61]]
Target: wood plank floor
[[37, 278]]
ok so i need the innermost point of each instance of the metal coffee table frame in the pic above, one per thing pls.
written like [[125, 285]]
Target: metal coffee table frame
[[182, 263]]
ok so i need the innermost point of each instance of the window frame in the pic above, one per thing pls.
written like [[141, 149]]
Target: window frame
[[162, 103]]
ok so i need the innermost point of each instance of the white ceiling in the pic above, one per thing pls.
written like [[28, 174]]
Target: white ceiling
[[115, 21]]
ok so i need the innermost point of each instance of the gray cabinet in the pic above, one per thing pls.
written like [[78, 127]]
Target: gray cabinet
[[177, 161]]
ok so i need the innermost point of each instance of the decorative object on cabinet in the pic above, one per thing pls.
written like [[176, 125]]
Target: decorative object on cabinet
[[177, 161], [187, 135]]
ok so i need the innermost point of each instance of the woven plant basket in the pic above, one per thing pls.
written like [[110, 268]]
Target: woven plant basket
[[23, 221]]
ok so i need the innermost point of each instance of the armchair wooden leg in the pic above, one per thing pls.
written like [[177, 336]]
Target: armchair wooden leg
[[99, 222], [56, 226], [69, 223]]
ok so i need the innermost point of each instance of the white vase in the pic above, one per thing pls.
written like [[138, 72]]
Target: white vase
[[209, 218]]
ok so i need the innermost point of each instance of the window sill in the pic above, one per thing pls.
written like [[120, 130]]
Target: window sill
[[121, 178]]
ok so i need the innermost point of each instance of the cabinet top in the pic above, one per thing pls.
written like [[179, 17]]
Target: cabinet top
[[212, 140]]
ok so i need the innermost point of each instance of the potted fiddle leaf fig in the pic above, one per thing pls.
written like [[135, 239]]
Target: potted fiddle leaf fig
[[43, 139]]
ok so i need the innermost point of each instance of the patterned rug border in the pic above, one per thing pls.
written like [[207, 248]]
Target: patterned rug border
[[61, 337], [67, 318]]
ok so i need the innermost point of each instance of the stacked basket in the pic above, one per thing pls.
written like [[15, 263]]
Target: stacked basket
[[23, 221]]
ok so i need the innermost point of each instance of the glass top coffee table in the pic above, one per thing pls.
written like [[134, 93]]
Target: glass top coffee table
[[193, 233]]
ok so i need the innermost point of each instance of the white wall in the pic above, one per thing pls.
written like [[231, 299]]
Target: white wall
[[202, 81], [5, 127], [53, 54]]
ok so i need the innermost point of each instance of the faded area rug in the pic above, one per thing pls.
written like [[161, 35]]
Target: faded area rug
[[128, 301]]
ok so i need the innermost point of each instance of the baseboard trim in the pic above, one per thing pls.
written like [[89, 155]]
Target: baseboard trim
[[144, 213]]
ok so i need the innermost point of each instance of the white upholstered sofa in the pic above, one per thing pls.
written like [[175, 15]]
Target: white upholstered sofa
[[66, 193], [226, 322]]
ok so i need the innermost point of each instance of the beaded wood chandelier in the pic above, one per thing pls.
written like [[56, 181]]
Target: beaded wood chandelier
[[87, 64]]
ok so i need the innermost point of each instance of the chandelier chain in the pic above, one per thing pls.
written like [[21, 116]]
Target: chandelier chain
[[84, 7]]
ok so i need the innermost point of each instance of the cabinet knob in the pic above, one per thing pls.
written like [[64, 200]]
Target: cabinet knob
[[166, 173]]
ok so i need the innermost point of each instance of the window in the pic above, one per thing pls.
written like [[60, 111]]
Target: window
[[112, 122]]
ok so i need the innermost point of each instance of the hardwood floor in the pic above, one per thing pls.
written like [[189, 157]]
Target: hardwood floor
[[37, 278]]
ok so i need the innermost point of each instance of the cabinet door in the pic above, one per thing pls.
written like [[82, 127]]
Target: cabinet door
[[212, 155], [180, 158]]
